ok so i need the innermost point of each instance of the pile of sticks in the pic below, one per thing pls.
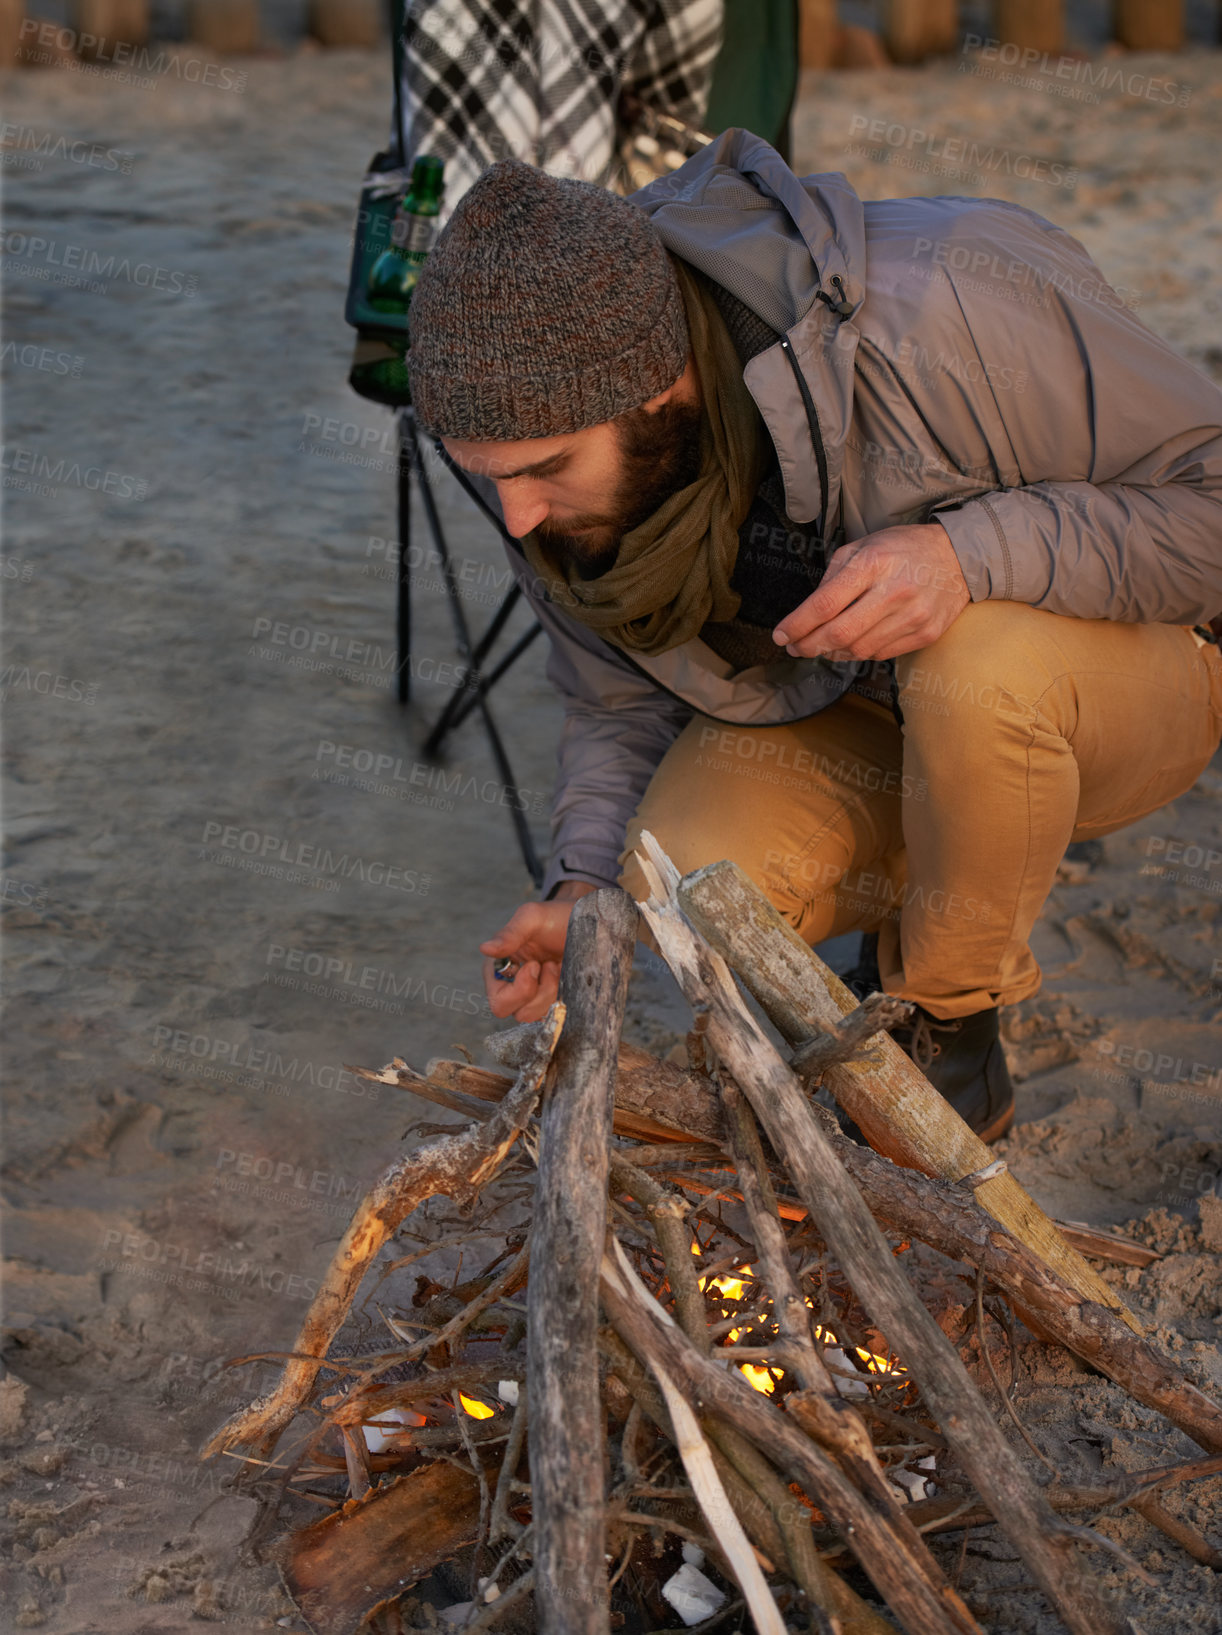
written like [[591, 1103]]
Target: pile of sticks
[[637, 1418]]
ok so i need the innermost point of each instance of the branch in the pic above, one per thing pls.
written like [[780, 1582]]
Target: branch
[[840, 1213], [457, 1165]]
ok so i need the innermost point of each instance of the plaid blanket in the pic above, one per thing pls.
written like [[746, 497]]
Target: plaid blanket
[[540, 80]]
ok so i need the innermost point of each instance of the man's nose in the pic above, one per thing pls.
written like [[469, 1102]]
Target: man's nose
[[522, 510]]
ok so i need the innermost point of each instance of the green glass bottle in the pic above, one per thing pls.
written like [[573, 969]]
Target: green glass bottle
[[380, 368]]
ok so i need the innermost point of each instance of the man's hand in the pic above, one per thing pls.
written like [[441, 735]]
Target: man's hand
[[534, 938], [889, 593]]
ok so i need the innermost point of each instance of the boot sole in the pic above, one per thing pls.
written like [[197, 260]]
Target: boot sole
[[999, 1127]]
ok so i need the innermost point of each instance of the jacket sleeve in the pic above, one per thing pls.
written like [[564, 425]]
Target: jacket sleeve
[[617, 727], [1120, 442]]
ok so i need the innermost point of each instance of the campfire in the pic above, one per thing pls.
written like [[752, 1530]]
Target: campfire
[[696, 1380]]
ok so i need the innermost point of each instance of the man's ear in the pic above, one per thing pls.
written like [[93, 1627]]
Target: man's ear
[[686, 389]]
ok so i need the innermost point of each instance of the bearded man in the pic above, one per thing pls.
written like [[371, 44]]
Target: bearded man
[[876, 543]]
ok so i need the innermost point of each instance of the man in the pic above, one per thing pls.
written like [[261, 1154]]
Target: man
[[870, 539]]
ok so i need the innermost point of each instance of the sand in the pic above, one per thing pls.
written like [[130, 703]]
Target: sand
[[198, 621]]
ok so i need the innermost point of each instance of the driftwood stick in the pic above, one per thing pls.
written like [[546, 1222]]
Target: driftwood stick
[[1157, 1514], [825, 1588], [951, 1220], [950, 1515], [698, 1462], [845, 1041], [840, 1213], [761, 1520], [818, 1407], [886, 1546], [570, 1223], [457, 1165], [790, 1309], [668, 1212], [682, 1098], [502, 1524], [893, 1103], [822, 1585]]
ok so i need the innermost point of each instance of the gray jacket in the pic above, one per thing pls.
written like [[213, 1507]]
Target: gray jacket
[[955, 356]]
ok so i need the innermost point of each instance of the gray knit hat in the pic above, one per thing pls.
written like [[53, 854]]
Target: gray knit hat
[[546, 306]]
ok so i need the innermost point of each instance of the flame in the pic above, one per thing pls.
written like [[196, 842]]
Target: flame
[[476, 1408], [759, 1377], [732, 1287], [875, 1364]]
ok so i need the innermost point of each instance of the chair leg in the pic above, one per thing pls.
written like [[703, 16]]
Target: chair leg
[[461, 704], [469, 652], [403, 591]]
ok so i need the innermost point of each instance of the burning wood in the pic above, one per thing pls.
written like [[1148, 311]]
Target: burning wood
[[701, 1377]]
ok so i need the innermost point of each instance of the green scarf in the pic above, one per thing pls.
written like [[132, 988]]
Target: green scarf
[[672, 574]]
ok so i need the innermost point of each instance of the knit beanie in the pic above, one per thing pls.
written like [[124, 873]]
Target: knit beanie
[[547, 305]]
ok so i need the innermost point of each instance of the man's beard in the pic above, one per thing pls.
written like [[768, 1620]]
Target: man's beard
[[660, 452]]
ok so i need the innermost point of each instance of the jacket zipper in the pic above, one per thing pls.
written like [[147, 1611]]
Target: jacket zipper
[[816, 437]]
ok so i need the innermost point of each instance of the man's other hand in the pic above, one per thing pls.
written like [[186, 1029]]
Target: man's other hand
[[534, 939], [889, 593]]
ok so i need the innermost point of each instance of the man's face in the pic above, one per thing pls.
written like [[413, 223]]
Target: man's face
[[583, 491]]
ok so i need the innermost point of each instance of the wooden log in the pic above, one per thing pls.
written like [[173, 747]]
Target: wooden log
[[915, 29], [457, 1165], [858, 47], [100, 25], [568, 1233], [895, 1106], [355, 24], [341, 1569], [885, 1544], [839, 1211], [12, 15], [653, 1099], [229, 27], [1035, 25], [817, 28], [951, 1221], [1149, 25]]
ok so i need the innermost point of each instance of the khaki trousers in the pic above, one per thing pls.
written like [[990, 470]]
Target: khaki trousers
[[1023, 730]]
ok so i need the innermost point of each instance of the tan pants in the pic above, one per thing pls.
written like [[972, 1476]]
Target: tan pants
[[1022, 731]]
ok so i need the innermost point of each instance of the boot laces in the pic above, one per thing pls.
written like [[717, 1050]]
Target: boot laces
[[923, 1048]]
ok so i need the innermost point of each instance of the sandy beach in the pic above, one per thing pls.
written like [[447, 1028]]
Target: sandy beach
[[230, 873]]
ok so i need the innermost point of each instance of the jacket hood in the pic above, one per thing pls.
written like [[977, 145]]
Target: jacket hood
[[738, 212], [793, 250]]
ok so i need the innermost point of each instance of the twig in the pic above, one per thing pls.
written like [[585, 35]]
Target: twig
[[668, 1213], [789, 1308], [1005, 1399], [459, 1165], [1157, 1514], [848, 1039], [701, 1472], [481, 1476], [491, 1612], [510, 1278], [502, 1523]]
